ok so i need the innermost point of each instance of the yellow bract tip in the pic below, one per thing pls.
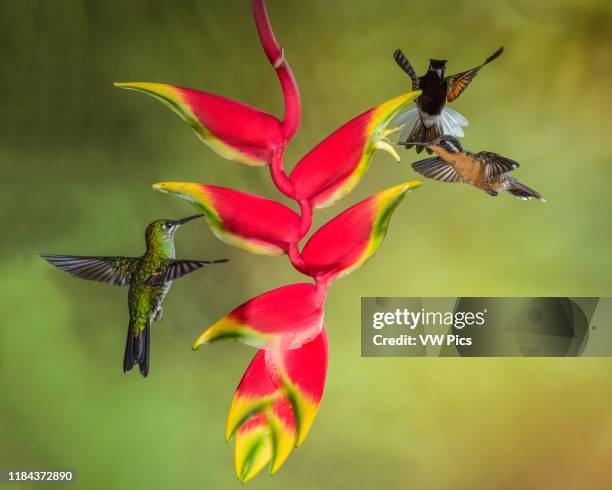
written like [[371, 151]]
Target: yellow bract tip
[[198, 343], [413, 184], [397, 103], [206, 338], [156, 88], [252, 452], [186, 190], [224, 328], [396, 193]]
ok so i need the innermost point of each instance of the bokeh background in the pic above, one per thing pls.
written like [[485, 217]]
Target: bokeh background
[[77, 157]]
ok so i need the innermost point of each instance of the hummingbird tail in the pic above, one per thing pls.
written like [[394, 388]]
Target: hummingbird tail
[[520, 190], [452, 122], [145, 349], [137, 348], [448, 122], [128, 356], [424, 134]]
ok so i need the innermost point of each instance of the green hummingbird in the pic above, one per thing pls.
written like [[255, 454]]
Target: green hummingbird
[[149, 278]]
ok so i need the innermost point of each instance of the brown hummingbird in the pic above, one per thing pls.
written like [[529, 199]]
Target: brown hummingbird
[[431, 118], [484, 170]]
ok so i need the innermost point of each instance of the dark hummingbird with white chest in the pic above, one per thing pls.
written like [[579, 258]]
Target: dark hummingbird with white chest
[[484, 170], [431, 118], [149, 278]]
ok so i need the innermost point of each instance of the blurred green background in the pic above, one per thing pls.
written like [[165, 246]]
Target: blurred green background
[[77, 157]]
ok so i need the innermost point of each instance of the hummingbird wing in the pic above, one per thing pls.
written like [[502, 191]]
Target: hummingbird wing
[[459, 82], [111, 270], [495, 164], [438, 169], [405, 65], [179, 268]]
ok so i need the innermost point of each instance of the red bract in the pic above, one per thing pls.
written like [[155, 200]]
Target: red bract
[[240, 219], [354, 236], [337, 164], [284, 318], [276, 402], [234, 130], [275, 405]]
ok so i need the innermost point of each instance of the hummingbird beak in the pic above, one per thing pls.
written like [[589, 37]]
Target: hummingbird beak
[[415, 143], [180, 222]]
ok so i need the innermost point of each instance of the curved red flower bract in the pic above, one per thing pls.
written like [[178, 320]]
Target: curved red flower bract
[[353, 236], [302, 372], [238, 124], [234, 130], [335, 166], [253, 447], [275, 405], [284, 318], [241, 219]]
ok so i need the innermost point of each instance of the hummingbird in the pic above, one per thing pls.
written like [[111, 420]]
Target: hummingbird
[[431, 119], [484, 170], [149, 278]]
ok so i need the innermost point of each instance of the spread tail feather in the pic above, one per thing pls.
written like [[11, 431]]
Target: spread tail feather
[[520, 190], [137, 349], [449, 122]]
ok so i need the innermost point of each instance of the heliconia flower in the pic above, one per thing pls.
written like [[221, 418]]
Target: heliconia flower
[[275, 405], [246, 221], [234, 130], [353, 236], [278, 397], [284, 318], [335, 166]]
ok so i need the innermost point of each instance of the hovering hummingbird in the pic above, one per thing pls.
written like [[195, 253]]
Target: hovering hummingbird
[[431, 119], [484, 170], [149, 277]]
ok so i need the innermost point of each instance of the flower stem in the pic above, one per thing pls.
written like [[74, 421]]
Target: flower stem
[[322, 285], [279, 177], [306, 218], [305, 223], [296, 258], [276, 57]]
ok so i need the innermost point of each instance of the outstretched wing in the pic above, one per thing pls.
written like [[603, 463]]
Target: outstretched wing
[[179, 268], [459, 82], [405, 65], [495, 164], [438, 169], [111, 270]]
